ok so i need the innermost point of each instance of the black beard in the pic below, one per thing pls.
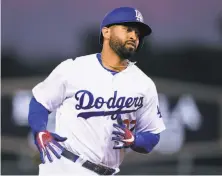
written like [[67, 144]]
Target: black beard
[[121, 50]]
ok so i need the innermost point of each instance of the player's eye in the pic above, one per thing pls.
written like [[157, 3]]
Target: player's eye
[[131, 29]]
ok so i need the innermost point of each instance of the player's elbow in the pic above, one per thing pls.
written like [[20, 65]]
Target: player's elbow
[[140, 150]]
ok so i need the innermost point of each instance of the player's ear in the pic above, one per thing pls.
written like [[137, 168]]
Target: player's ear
[[106, 33]]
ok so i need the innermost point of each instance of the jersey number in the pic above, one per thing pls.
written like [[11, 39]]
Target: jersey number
[[129, 124]]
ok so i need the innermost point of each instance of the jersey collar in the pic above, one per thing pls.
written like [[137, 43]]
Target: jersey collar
[[98, 55]]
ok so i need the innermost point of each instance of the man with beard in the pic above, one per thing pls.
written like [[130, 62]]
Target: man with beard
[[105, 105]]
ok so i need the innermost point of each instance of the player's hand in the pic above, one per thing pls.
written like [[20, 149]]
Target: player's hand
[[123, 137], [46, 142]]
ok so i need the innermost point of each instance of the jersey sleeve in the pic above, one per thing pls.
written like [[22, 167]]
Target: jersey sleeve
[[149, 117], [52, 91]]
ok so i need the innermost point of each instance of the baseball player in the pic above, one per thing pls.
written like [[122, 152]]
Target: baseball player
[[105, 105]]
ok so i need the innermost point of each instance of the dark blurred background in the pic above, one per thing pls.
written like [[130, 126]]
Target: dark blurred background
[[183, 56]]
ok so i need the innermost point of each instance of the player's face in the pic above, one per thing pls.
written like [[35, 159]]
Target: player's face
[[124, 40]]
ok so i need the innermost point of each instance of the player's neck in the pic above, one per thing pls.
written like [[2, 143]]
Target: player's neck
[[112, 61]]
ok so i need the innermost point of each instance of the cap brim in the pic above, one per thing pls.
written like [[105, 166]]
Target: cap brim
[[144, 29]]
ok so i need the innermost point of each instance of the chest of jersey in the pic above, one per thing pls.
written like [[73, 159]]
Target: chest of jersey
[[97, 93]]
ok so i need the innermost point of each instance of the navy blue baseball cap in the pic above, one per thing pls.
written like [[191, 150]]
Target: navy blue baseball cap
[[124, 15]]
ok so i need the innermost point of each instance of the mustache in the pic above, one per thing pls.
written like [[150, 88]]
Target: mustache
[[131, 42]]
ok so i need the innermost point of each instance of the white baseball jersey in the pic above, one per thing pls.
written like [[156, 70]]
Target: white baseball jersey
[[88, 98]]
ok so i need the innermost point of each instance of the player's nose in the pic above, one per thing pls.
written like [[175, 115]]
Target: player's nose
[[133, 32], [133, 35]]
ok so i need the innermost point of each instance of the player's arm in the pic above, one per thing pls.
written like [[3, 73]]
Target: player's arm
[[47, 97], [142, 142], [145, 142], [37, 116], [148, 127], [149, 124]]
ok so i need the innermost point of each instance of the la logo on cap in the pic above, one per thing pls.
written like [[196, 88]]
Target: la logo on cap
[[139, 16]]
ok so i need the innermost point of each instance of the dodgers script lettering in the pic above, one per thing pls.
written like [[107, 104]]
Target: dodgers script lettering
[[86, 101]]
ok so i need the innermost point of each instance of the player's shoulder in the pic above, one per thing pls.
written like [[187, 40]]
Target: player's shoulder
[[84, 58], [80, 58], [143, 78]]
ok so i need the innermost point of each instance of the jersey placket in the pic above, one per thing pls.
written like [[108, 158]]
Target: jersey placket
[[110, 92]]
